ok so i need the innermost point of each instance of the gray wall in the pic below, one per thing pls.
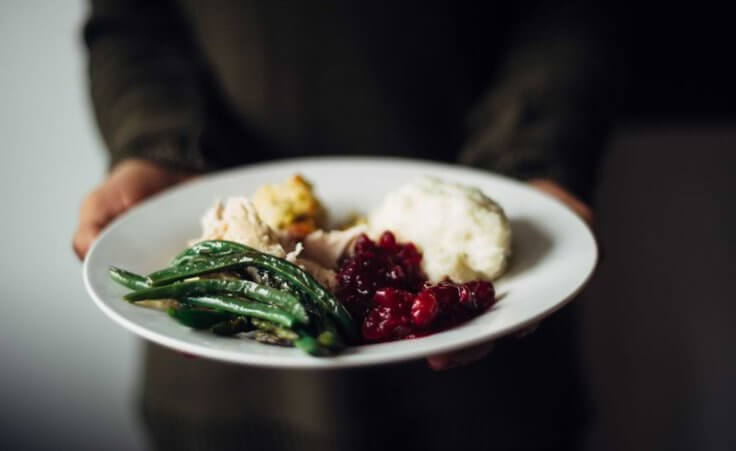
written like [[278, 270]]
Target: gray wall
[[66, 371]]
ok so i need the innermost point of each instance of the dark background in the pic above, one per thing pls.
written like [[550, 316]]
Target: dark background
[[657, 328], [678, 62]]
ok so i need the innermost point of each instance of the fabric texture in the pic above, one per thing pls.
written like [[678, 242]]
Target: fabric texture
[[519, 89]]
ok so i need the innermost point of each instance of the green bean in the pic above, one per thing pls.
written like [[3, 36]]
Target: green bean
[[274, 334], [251, 290], [232, 326], [325, 343], [128, 279], [274, 329], [208, 249], [330, 340], [202, 258], [263, 336], [243, 307], [289, 272], [328, 334], [274, 281], [286, 296], [196, 267], [304, 282], [197, 318], [309, 345]]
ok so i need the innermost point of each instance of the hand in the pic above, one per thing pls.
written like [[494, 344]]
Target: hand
[[449, 360], [129, 183], [573, 203]]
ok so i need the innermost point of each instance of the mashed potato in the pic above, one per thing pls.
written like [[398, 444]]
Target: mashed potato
[[462, 233]]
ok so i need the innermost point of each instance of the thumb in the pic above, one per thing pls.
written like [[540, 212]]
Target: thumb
[[97, 210]]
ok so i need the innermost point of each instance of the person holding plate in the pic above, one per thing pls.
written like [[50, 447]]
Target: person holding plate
[[183, 88]]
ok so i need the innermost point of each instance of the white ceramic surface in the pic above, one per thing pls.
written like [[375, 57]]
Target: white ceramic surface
[[554, 255]]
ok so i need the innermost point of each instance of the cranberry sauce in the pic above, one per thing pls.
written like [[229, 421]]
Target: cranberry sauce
[[383, 286]]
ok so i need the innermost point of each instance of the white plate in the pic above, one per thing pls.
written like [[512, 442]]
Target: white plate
[[554, 255]]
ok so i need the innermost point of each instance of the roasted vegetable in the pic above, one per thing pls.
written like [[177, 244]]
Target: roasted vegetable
[[233, 326], [274, 329], [200, 261], [251, 290], [285, 304], [128, 279], [243, 307], [197, 318]]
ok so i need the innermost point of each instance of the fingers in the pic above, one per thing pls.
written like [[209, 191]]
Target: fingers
[[564, 196], [98, 209], [446, 361], [83, 239], [130, 182], [442, 362], [528, 330]]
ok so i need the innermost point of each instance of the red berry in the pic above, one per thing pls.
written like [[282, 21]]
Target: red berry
[[383, 286], [477, 295], [396, 274], [387, 240], [410, 255], [384, 323], [424, 309], [399, 300], [446, 294], [363, 244]]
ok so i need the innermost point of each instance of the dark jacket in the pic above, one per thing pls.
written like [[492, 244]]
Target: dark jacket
[[517, 88], [514, 88]]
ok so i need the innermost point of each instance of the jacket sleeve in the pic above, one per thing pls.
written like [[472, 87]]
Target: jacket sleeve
[[548, 111], [146, 82]]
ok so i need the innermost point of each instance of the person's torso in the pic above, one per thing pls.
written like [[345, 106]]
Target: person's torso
[[348, 77]]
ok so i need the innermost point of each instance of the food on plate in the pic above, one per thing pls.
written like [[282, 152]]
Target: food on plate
[[463, 234], [238, 220], [285, 300], [290, 206], [383, 286], [326, 247], [262, 267]]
